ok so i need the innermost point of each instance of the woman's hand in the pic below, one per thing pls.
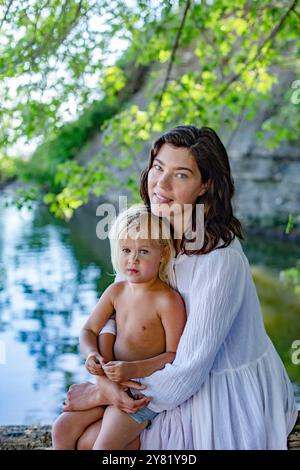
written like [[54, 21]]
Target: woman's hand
[[118, 371], [94, 363], [87, 395], [120, 398]]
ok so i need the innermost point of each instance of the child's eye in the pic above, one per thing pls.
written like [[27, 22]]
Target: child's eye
[[144, 252]]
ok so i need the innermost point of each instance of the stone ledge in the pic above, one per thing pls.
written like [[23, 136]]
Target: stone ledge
[[38, 437], [25, 437]]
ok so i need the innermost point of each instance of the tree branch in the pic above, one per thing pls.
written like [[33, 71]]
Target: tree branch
[[296, 13], [241, 113], [6, 13], [268, 39], [61, 34], [171, 61]]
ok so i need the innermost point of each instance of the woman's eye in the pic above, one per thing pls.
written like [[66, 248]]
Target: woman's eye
[[157, 167], [181, 176], [125, 250]]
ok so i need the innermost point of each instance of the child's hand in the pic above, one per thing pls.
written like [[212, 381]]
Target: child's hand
[[118, 371], [94, 363]]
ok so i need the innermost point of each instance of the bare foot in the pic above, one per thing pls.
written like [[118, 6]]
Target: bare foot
[[82, 397]]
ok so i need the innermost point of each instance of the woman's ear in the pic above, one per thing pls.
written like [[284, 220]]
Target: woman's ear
[[204, 188]]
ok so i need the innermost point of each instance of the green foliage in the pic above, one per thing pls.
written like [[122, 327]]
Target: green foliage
[[64, 145], [7, 169], [290, 224], [24, 197], [57, 52], [292, 275], [80, 186], [55, 49], [281, 315]]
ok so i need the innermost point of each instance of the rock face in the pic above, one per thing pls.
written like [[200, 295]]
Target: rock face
[[267, 182], [39, 437]]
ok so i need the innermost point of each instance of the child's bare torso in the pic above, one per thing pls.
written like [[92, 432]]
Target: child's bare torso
[[140, 332]]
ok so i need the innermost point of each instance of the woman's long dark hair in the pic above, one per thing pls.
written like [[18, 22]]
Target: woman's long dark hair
[[212, 160]]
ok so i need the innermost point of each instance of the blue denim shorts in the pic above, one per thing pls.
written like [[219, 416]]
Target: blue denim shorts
[[144, 414]]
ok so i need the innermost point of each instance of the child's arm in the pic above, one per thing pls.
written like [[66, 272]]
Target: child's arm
[[173, 317], [95, 322]]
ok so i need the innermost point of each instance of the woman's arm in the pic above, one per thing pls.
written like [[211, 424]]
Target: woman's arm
[[217, 294]]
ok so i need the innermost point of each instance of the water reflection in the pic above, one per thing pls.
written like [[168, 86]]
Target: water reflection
[[44, 299], [51, 275]]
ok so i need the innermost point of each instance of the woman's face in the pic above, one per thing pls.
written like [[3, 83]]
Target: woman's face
[[174, 179]]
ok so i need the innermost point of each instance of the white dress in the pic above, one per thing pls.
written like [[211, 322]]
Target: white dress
[[227, 387]]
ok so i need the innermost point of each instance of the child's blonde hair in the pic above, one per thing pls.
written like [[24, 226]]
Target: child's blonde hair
[[141, 223]]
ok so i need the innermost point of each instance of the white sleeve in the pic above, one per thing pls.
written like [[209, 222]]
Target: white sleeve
[[217, 294], [110, 325]]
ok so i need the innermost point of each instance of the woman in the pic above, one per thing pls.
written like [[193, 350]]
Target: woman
[[227, 388]]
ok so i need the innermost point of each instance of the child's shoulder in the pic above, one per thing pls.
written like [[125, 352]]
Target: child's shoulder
[[167, 294], [116, 288]]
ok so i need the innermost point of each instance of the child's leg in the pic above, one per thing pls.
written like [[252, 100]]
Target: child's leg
[[106, 343], [88, 438], [118, 430], [69, 426]]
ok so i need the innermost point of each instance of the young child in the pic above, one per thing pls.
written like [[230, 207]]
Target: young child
[[150, 317]]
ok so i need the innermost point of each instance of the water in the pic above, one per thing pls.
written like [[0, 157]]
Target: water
[[51, 275], [47, 288]]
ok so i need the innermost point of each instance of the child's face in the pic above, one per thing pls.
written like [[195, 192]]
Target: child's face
[[140, 259]]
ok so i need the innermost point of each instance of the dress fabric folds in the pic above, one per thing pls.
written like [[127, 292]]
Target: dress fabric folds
[[227, 387]]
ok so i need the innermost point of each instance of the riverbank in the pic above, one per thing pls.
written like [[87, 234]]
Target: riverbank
[[39, 437], [273, 228]]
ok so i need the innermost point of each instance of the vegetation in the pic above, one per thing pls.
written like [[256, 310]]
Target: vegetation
[[281, 316], [59, 53], [65, 145], [292, 275], [68, 69], [7, 169]]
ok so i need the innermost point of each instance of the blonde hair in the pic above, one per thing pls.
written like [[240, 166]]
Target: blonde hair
[[139, 218]]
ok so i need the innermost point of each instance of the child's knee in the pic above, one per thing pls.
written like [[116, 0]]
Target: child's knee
[[57, 430], [60, 429]]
